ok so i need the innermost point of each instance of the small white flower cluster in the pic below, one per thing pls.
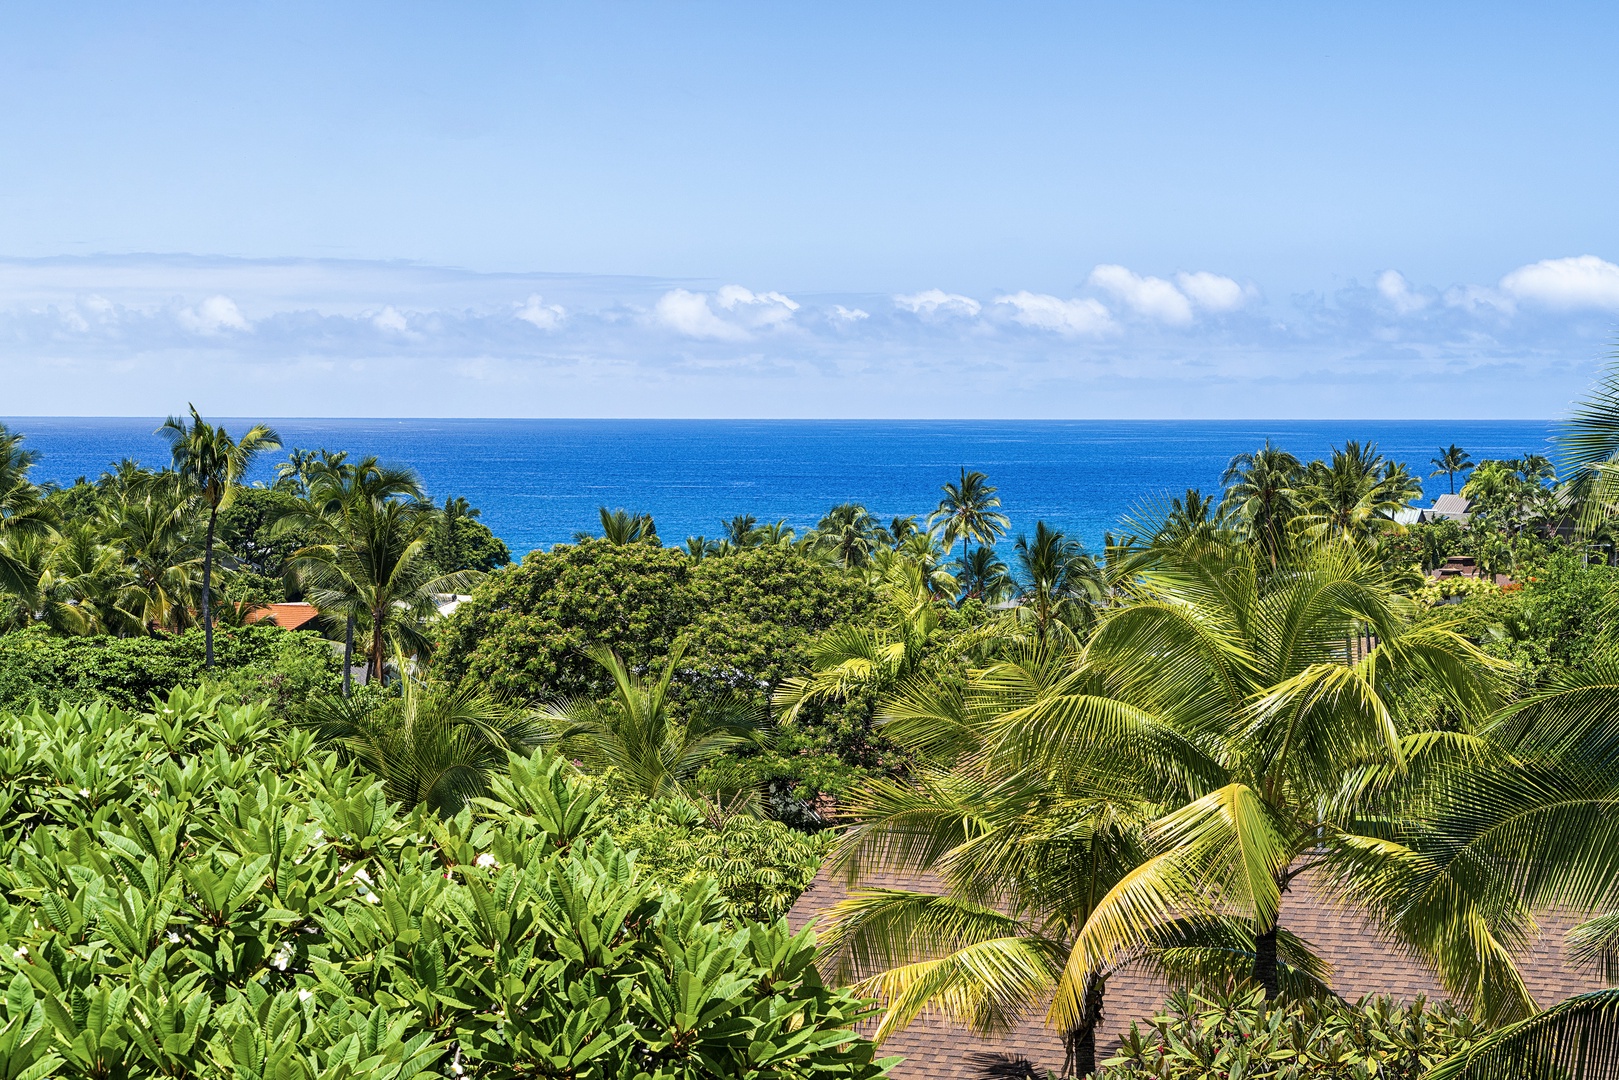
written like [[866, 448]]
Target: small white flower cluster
[[282, 956]]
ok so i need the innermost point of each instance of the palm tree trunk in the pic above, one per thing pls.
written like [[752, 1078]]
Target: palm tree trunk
[[376, 646], [348, 654], [207, 585], [1079, 1041], [1265, 962]]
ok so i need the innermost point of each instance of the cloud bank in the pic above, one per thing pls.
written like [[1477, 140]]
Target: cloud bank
[[134, 335]]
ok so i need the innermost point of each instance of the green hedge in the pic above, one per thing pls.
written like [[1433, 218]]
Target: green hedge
[[251, 662]]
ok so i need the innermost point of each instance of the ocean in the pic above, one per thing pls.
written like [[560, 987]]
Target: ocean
[[538, 481]]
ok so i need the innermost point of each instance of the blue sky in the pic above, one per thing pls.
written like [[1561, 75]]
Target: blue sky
[[807, 210]]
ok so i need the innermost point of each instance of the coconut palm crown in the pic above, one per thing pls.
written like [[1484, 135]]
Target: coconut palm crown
[[213, 465], [970, 511]]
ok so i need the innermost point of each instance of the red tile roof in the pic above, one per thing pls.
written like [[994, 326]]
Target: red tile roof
[[286, 616], [1363, 962]]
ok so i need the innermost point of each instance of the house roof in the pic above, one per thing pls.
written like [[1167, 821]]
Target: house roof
[[286, 616], [1363, 962], [1454, 507]]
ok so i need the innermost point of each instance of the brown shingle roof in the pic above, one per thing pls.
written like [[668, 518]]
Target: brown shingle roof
[[1363, 962]]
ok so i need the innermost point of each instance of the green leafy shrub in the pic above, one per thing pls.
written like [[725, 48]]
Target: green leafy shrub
[[760, 866], [1559, 613], [193, 892], [1240, 1035], [254, 662]]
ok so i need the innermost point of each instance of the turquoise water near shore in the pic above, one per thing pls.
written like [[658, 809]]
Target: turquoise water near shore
[[537, 481]]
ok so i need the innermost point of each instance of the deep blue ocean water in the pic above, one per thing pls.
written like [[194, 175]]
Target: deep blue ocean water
[[537, 481]]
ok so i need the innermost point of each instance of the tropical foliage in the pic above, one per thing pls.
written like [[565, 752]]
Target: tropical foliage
[[191, 892], [1198, 1037], [1074, 761]]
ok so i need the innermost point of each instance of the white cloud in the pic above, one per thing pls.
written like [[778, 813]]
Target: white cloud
[[1070, 317], [849, 314], [933, 301], [390, 321], [1398, 292], [688, 313], [1583, 281], [757, 309], [1150, 296], [214, 315], [538, 313], [1212, 292]]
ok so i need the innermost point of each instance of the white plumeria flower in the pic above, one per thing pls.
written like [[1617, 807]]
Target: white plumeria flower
[[84, 791], [282, 957], [362, 875], [487, 861], [174, 939], [304, 995], [372, 898]]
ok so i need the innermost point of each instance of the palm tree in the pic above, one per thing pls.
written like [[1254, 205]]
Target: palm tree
[[623, 527], [213, 464], [336, 496], [38, 592], [85, 570], [1192, 518], [922, 550], [851, 656], [295, 473], [1057, 581], [1021, 862], [1259, 493], [1589, 443], [776, 534], [984, 576], [1499, 494], [159, 555], [432, 746], [379, 567], [1237, 690], [742, 530], [968, 511], [1452, 459], [635, 734], [1357, 494], [1022, 859], [448, 552], [1531, 808], [850, 534], [902, 527], [22, 510]]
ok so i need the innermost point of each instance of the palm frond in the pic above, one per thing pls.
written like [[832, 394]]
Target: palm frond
[[1576, 1039]]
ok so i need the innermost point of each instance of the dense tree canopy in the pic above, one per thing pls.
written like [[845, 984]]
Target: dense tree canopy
[[751, 617]]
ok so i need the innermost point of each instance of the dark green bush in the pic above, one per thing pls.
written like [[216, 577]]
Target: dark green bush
[[750, 617], [254, 662]]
